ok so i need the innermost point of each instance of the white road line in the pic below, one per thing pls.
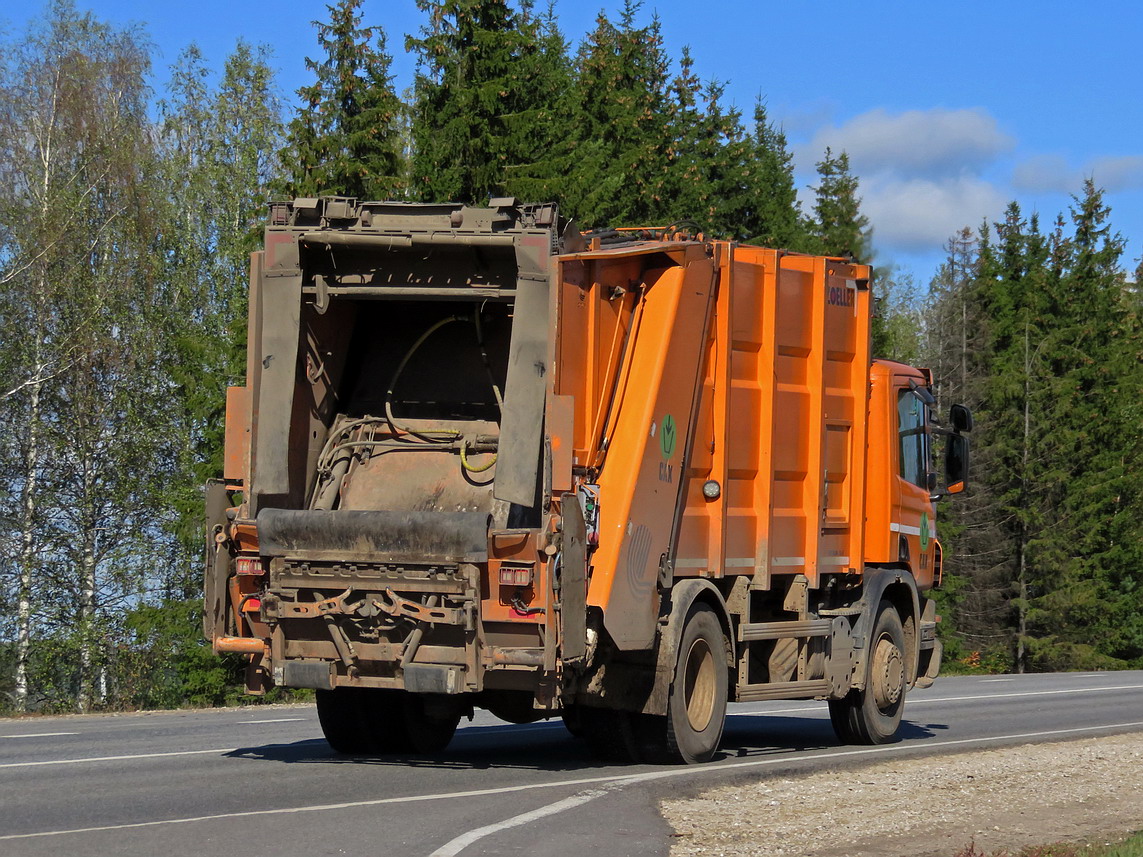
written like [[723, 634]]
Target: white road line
[[911, 701], [218, 751], [613, 781], [451, 849], [991, 680], [40, 735], [551, 725], [275, 720]]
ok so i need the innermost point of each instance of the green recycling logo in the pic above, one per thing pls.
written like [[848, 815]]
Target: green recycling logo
[[925, 531], [668, 435]]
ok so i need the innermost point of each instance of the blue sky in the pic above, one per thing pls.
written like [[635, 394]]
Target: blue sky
[[947, 111]]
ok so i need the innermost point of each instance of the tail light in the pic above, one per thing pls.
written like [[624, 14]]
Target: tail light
[[515, 575], [248, 565]]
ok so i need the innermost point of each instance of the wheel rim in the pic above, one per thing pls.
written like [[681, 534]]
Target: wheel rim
[[888, 673], [699, 685]]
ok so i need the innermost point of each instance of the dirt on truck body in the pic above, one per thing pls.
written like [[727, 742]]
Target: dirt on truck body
[[623, 478]]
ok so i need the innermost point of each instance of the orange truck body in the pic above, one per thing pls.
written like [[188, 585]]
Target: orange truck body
[[690, 484]]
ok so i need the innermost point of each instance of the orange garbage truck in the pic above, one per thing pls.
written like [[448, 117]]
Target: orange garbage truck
[[623, 478]]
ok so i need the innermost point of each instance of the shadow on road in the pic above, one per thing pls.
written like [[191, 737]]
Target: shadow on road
[[748, 735], [549, 747]]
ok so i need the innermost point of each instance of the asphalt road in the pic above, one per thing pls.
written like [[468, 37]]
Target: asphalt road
[[261, 781]]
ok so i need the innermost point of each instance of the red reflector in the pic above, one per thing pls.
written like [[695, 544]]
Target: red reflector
[[513, 575], [252, 605], [248, 565]]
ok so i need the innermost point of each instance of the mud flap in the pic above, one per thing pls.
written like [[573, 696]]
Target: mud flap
[[573, 581], [217, 563]]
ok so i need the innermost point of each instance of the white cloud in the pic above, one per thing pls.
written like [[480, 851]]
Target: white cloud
[[1053, 174], [916, 214], [1046, 174], [917, 143], [1116, 174]]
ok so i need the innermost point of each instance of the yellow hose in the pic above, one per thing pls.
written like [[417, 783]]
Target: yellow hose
[[464, 460]]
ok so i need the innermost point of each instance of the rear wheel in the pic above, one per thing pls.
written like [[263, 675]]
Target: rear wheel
[[691, 730], [358, 720], [873, 715], [344, 720], [609, 733], [428, 725]]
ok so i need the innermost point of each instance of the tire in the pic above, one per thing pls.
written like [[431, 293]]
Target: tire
[[873, 715], [425, 730], [345, 720], [609, 733], [573, 720], [691, 730], [370, 721]]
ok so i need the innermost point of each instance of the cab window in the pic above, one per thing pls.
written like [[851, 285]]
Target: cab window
[[913, 439]]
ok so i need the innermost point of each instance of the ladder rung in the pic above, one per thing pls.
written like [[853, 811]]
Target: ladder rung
[[777, 630], [783, 690]]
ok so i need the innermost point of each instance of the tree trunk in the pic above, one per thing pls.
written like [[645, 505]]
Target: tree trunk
[[87, 639], [28, 539], [1022, 545]]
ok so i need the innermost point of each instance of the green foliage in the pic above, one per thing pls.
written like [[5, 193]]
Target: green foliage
[[620, 173], [1056, 378], [171, 665], [778, 221], [347, 137], [489, 101], [839, 229], [898, 320], [123, 271]]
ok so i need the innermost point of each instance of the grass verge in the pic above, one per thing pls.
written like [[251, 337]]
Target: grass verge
[[1130, 847]]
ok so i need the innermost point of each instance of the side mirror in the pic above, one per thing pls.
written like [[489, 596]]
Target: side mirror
[[956, 461], [961, 418]]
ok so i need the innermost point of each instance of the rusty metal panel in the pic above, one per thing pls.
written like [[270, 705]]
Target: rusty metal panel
[[237, 444], [560, 426]]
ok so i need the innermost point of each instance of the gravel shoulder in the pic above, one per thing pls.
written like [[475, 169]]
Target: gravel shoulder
[[1082, 791]]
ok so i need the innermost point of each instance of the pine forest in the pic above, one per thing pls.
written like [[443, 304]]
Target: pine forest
[[128, 213]]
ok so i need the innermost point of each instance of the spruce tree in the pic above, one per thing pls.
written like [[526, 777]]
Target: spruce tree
[[712, 169], [620, 176], [840, 229], [489, 104], [346, 139], [1085, 606], [778, 221]]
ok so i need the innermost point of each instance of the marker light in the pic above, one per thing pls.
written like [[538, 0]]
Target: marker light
[[711, 490]]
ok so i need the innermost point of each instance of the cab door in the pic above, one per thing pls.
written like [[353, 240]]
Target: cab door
[[912, 518]]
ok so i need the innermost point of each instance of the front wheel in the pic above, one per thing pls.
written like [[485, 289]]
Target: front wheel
[[873, 715]]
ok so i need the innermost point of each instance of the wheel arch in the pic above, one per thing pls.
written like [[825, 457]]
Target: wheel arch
[[898, 587], [684, 596]]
